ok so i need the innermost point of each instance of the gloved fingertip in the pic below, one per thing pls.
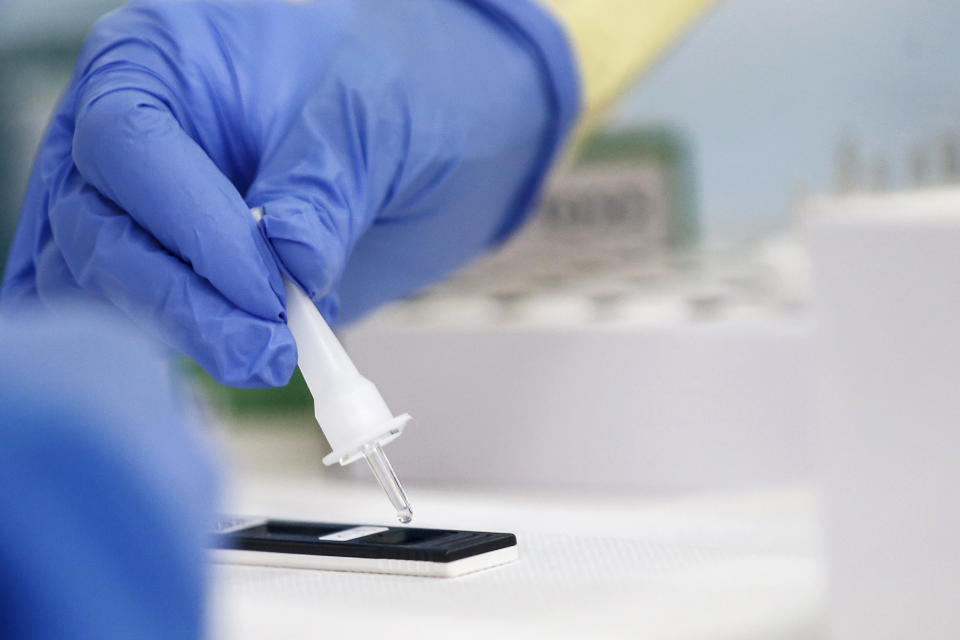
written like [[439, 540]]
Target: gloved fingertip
[[277, 370], [254, 354]]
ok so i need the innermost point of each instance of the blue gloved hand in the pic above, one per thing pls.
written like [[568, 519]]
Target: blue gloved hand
[[107, 487], [388, 142]]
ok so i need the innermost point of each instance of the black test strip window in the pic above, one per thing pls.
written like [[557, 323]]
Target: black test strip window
[[395, 543]]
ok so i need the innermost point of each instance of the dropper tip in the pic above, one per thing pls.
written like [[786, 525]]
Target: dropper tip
[[387, 479]]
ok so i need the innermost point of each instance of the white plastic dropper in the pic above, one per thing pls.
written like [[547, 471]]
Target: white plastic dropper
[[349, 409]]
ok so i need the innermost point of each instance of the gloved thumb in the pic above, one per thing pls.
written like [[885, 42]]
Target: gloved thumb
[[309, 243], [314, 252]]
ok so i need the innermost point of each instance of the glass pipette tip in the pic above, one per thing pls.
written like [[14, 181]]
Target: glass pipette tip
[[383, 471]]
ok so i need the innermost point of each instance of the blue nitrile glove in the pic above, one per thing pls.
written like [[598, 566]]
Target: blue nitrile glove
[[106, 486], [388, 142]]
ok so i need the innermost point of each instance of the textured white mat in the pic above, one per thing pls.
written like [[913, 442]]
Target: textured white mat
[[701, 571]]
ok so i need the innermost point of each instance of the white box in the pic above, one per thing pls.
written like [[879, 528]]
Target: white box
[[887, 273]]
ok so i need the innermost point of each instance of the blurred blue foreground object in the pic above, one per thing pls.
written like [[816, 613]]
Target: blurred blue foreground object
[[106, 490], [388, 143]]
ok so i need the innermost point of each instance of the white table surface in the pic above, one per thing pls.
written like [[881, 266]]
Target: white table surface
[[737, 565]]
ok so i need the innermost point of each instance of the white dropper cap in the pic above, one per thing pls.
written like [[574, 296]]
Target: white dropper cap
[[348, 407]]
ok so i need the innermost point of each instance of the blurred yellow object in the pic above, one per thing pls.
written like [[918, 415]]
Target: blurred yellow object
[[615, 40]]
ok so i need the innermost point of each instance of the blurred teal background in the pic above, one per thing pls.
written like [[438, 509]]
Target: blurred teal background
[[38, 44], [769, 92]]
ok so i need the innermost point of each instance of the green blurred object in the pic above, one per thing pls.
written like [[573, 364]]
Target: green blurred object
[[660, 145], [292, 400], [32, 79]]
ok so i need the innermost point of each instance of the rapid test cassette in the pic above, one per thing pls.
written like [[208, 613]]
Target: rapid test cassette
[[441, 553]]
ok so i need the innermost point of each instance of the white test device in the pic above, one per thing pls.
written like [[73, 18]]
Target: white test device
[[348, 407]]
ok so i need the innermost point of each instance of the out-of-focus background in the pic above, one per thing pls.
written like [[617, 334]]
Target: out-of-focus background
[[649, 336]]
